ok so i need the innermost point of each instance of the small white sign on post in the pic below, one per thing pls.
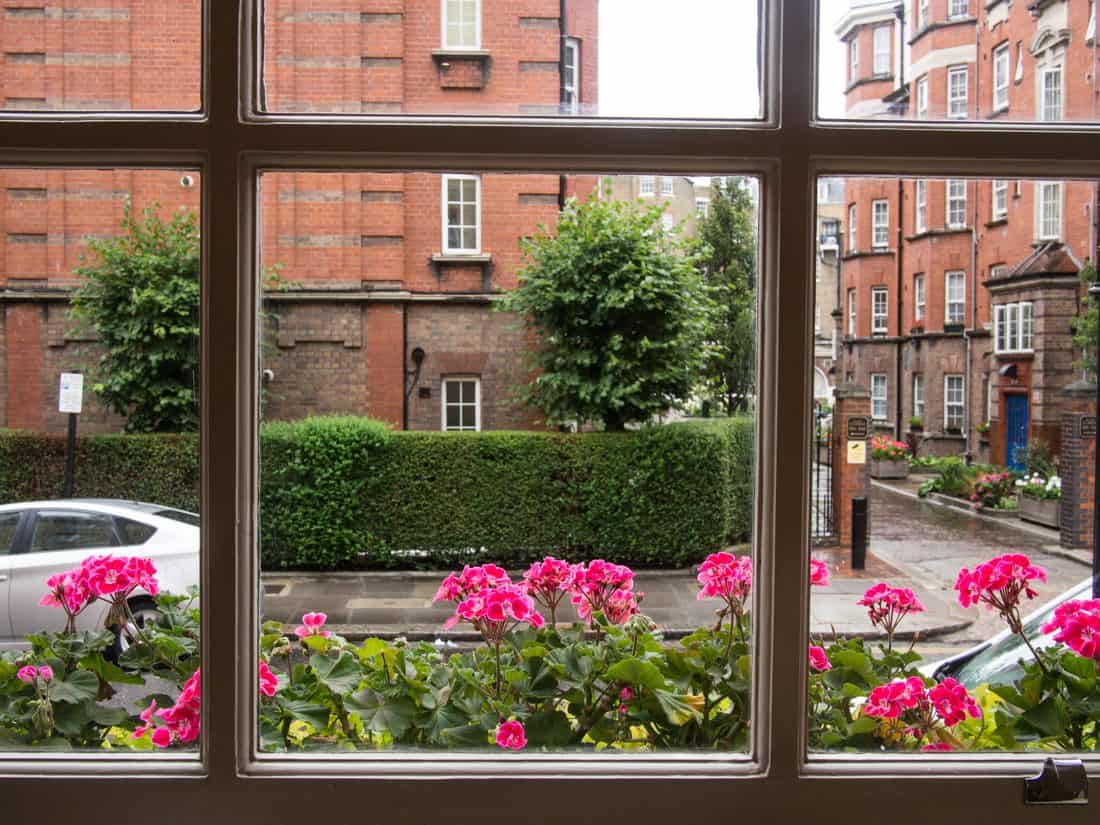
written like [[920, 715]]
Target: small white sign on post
[[70, 397]]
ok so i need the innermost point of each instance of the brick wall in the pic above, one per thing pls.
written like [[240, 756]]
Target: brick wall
[[1078, 466]]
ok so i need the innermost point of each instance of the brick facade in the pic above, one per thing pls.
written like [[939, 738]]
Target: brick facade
[[367, 277], [850, 480], [1079, 465]]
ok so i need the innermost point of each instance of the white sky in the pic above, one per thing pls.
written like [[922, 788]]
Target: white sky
[[694, 58]]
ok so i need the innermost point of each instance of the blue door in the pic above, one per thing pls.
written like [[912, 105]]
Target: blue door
[[1015, 430]]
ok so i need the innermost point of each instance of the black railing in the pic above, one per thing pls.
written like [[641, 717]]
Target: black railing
[[822, 522]]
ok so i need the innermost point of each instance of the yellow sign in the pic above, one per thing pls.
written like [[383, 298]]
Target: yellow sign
[[857, 452]]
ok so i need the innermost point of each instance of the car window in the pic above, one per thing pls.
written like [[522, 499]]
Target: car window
[[8, 523], [134, 532], [72, 530], [179, 515]]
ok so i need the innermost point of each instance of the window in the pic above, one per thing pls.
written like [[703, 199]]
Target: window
[[953, 406], [647, 186], [461, 214], [702, 207], [1000, 200], [957, 79], [918, 395], [8, 523], [956, 204], [922, 98], [461, 404], [1050, 93], [1000, 77], [918, 297], [852, 228], [882, 50], [954, 290], [922, 14], [920, 207], [571, 75], [957, 9], [1049, 211], [880, 220], [134, 532], [830, 233], [461, 24], [878, 396], [851, 313], [668, 222], [879, 311], [1013, 327], [666, 186], [853, 60], [72, 530]]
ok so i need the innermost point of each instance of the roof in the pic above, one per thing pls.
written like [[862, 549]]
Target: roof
[[1049, 258]]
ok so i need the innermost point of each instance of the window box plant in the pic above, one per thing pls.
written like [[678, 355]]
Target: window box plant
[[1040, 500], [916, 424], [889, 458]]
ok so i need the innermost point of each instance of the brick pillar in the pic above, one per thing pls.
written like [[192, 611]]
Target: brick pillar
[[25, 354], [385, 363], [1078, 463], [851, 415]]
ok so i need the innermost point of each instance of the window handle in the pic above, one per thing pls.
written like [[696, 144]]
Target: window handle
[[3, 578], [1060, 782]]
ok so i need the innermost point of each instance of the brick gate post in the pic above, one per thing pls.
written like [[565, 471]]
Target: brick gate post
[[1078, 463], [851, 455]]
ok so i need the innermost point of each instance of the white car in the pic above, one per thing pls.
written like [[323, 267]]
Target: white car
[[41, 538]]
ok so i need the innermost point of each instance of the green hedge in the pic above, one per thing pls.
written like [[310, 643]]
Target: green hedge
[[345, 493]]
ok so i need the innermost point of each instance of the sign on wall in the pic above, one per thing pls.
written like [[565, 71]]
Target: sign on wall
[[858, 427], [70, 396], [857, 452]]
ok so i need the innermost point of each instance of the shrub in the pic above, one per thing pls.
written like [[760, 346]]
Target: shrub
[[886, 449]]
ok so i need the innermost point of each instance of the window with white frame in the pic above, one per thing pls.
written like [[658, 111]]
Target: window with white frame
[[956, 204], [957, 9], [918, 395], [851, 313], [999, 206], [461, 214], [954, 406], [880, 224], [647, 185], [1013, 327], [1000, 77], [1048, 212], [954, 291], [922, 14], [881, 42], [879, 311], [852, 228], [957, 91], [878, 396], [702, 207], [1050, 93], [666, 186], [853, 60], [918, 297], [461, 403], [922, 97], [461, 24], [920, 206], [571, 74]]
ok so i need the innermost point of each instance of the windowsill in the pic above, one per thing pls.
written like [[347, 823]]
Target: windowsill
[[873, 78], [1017, 355], [439, 55], [880, 250], [997, 222], [461, 258], [866, 254], [932, 233], [997, 113], [944, 24]]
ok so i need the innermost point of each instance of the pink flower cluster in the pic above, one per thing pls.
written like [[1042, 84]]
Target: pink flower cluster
[[1076, 624], [999, 583], [548, 581], [111, 578], [511, 736], [30, 673], [269, 682], [494, 611], [952, 702], [727, 577], [311, 625], [470, 580], [606, 587], [819, 660], [891, 700], [908, 699], [181, 721], [819, 573], [887, 606]]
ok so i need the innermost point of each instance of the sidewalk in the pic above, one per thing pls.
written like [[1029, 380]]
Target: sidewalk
[[389, 604]]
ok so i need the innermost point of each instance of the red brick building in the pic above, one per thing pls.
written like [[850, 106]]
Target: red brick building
[[390, 277], [957, 295]]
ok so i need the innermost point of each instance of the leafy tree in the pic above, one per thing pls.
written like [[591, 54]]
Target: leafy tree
[[1085, 324], [620, 310], [727, 255], [141, 296]]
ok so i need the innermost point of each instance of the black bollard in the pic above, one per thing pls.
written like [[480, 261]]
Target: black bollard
[[859, 532]]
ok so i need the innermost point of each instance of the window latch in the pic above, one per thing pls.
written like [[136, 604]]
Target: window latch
[[1060, 782]]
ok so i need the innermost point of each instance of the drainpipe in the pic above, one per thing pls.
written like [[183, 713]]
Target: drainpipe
[[404, 365], [561, 53], [898, 407], [968, 381]]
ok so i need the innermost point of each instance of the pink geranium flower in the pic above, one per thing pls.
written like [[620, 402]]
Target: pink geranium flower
[[819, 573], [819, 661], [891, 700], [1076, 624], [268, 681], [952, 702], [470, 580], [919, 709], [605, 587], [27, 673], [887, 606], [729, 578], [496, 611], [942, 747], [182, 721], [998, 584], [45, 673], [312, 626], [511, 736], [548, 581]]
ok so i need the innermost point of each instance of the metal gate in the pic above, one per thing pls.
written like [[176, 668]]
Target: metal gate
[[822, 525]]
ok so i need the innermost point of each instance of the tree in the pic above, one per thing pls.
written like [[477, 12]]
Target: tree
[[727, 253], [1085, 326], [142, 299], [620, 312]]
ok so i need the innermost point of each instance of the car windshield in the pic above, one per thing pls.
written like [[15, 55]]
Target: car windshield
[[179, 515]]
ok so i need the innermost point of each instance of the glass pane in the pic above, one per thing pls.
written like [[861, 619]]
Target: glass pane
[[99, 329], [128, 55], [994, 62], [951, 478], [602, 481], [503, 57]]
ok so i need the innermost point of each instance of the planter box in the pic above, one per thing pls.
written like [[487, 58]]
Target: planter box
[[968, 505], [1047, 512], [889, 469]]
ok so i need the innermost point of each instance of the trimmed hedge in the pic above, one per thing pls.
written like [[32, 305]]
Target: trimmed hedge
[[347, 493]]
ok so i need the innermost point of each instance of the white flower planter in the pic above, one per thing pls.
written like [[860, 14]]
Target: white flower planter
[[880, 468]]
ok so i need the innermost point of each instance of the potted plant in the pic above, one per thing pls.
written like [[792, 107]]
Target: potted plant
[[993, 492], [983, 430], [889, 458], [1040, 500], [916, 424]]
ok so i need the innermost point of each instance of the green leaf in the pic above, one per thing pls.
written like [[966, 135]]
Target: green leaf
[[70, 717], [550, 729], [341, 675], [1048, 718], [677, 711], [314, 715], [634, 671], [382, 715], [109, 672], [78, 686]]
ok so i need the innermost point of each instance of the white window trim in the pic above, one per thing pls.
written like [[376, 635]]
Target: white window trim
[[853, 60], [1003, 339], [947, 204], [918, 395], [852, 312], [920, 287], [459, 379], [953, 13], [1051, 70], [880, 57], [853, 219], [947, 404], [920, 206], [647, 186], [954, 111], [668, 186], [1040, 190], [880, 229], [998, 190], [880, 321], [922, 14], [572, 54], [702, 207], [447, 248], [443, 28], [922, 97], [959, 276], [877, 379], [1002, 59]]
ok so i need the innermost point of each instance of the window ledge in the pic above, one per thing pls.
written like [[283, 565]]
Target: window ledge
[[439, 55], [872, 78], [996, 222], [943, 24], [1000, 111], [442, 259], [866, 253], [932, 233]]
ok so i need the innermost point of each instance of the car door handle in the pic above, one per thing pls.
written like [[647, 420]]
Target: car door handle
[[3, 578]]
